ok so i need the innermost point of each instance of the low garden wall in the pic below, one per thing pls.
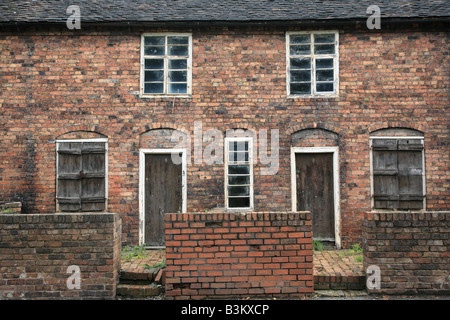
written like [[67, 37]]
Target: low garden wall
[[59, 256], [238, 254], [411, 250]]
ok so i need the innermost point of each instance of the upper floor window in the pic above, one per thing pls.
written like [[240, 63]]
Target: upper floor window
[[166, 65], [312, 64]]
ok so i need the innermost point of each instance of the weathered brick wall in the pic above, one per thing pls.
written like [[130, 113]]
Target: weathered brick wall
[[253, 254], [56, 81], [411, 250], [37, 249]]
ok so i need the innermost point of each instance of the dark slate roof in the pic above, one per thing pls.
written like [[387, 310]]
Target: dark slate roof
[[44, 11]]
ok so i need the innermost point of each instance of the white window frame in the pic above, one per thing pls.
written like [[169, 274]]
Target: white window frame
[[336, 184], [250, 163], [142, 153], [313, 56], [165, 57], [104, 140], [424, 185]]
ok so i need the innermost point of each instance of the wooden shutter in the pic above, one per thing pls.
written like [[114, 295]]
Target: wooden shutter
[[81, 176], [397, 173]]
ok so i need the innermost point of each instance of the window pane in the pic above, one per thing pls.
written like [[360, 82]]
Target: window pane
[[300, 63], [151, 40], [154, 64], [324, 49], [324, 75], [238, 202], [239, 180], [154, 76], [154, 51], [238, 191], [301, 38], [178, 64], [238, 156], [178, 51], [324, 38], [300, 49], [297, 76], [324, 87], [177, 76], [300, 88], [239, 169], [154, 88], [178, 40], [238, 146], [177, 87], [324, 63]]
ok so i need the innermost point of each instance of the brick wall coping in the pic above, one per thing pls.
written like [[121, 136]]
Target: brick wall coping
[[61, 217], [407, 215], [238, 216]]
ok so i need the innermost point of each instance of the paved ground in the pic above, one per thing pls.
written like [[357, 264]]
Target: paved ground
[[140, 264], [338, 262]]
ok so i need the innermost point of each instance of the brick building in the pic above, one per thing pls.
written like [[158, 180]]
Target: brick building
[[90, 116]]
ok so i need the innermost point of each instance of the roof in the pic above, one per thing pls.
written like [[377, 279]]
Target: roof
[[154, 11]]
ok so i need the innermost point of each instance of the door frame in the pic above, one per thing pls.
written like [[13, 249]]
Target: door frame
[[336, 193], [142, 154]]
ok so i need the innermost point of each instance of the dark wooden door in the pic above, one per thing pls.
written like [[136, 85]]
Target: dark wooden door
[[315, 191], [163, 185]]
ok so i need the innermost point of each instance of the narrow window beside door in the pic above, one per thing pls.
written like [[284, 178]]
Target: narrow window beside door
[[239, 173], [81, 176]]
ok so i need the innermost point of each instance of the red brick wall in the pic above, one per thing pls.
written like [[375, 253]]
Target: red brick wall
[[37, 249], [58, 81], [252, 254], [411, 250]]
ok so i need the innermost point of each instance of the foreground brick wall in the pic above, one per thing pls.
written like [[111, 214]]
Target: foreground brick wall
[[37, 249], [252, 254], [411, 250]]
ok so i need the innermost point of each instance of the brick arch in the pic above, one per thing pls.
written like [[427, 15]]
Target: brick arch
[[81, 128], [314, 137], [240, 125], [396, 124], [159, 125], [161, 138], [243, 127], [314, 125]]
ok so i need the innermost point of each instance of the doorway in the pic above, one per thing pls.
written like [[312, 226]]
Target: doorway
[[162, 190], [315, 184]]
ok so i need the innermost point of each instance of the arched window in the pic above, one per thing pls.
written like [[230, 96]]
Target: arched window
[[82, 174], [397, 166]]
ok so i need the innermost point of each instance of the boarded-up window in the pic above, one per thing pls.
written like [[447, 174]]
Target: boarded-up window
[[398, 173], [81, 176]]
